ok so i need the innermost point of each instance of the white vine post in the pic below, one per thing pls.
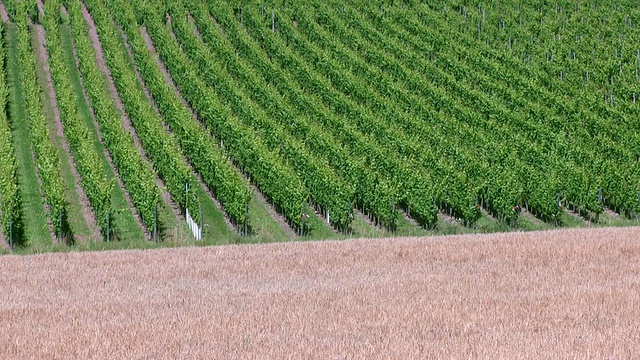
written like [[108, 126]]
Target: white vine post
[[196, 230], [10, 228]]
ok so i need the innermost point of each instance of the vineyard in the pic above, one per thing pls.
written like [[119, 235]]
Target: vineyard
[[138, 123]]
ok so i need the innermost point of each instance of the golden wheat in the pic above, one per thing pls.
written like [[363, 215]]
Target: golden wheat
[[561, 294]]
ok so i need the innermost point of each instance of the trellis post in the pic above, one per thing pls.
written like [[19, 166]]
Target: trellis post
[[302, 222], [246, 215], [11, 231], [60, 227], [108, 226], [600, 196], [155, 223]]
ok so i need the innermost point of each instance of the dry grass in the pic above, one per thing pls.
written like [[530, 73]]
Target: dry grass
[[564, 294]]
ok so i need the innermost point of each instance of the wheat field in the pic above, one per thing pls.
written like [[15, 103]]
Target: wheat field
[[561, 294]]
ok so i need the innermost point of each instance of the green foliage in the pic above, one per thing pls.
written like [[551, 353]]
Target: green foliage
[[47, 161], [328, 191], [162, 148], [89, 166], [11, 214], [210, 162], [136, 174], [470, 126], [463, 108], [276, 180]]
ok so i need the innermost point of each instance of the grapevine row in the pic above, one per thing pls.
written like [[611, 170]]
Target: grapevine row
[[326, 189], [468, 117], [366, 122], [386, 105], [11, 215], [451, 111], [162, 148], [610, 152], [276, 180], [360, 145], [46, 155], [135, 173], [210, 162], [377, 198], [93, 180]]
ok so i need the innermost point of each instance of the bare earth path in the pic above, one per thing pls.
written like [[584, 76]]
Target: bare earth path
[[558, 294]]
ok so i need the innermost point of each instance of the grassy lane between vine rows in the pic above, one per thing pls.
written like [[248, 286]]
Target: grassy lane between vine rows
[[161, 148], [45, 153]]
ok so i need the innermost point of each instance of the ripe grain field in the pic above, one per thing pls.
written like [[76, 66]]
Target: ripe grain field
[[557, 294]]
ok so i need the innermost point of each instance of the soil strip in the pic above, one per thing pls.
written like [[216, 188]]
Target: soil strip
[[163, 69], [174, 206], [577, 215], [530, 217], [447, 218], [366, 219], [3, 13], [4, 243], [612, 213]]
